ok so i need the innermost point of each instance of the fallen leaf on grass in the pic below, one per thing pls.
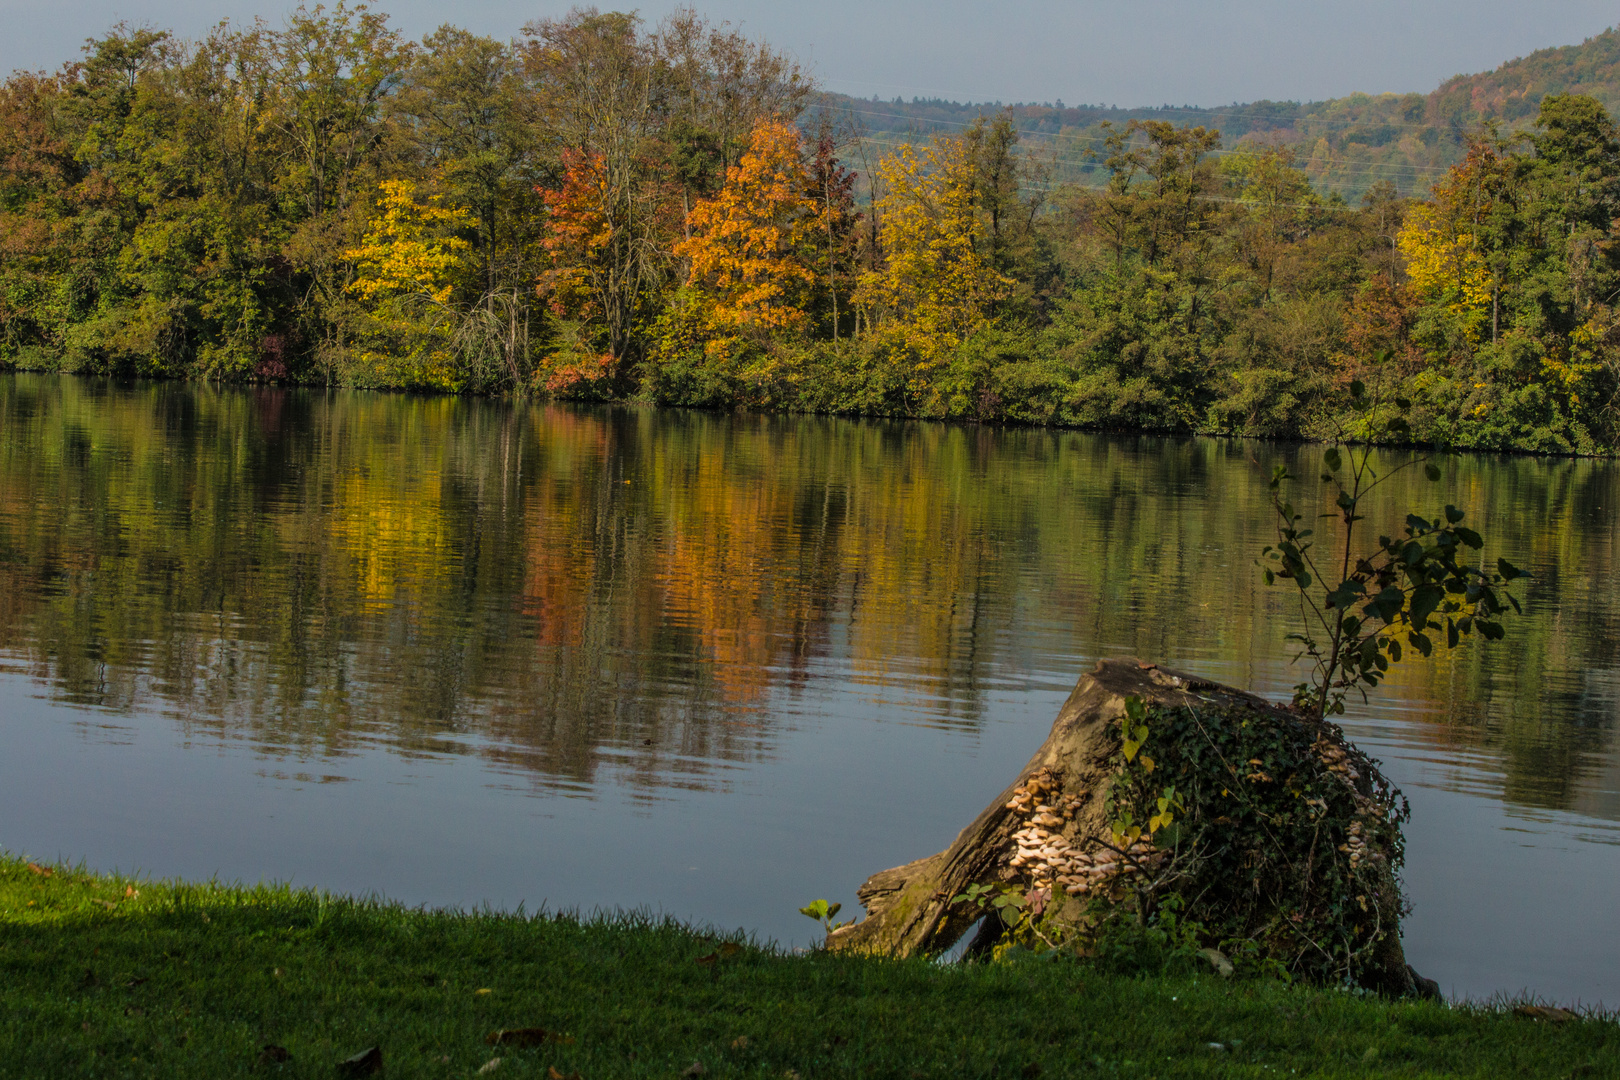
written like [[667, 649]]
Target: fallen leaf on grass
[[273, 1054], [708, 959], [131, 892], [553, 1074], [1545, 1012], [740, 1043], [40, 870], [489, 1066], [483, 990], [367, 1062], [730, 948]]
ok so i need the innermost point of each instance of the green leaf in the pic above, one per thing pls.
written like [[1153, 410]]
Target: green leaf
[[1398, 423], [1332, 459], [1358, 389], [1492, 630], [1386, 604], [1425, 598], [1508, 571], [1403, 403], [1451, 634], [1420, 642], [1469, 537], [1394, 650], [1453, 514], [1431, 470], [1346, 594]]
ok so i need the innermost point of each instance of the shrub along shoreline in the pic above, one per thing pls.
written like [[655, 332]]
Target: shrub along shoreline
[[102, 975]]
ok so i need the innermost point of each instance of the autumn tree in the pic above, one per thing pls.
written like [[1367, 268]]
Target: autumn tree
[[937, 285], [404, 272], [751, 243]]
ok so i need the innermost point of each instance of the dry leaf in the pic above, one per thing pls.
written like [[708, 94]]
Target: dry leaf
[[368, 1062], [131, 892], [730, 948], [740, 1043], [489, 1066], [38, 869], [553, 1074], [483, 990], [708, 959], [273, 1054]]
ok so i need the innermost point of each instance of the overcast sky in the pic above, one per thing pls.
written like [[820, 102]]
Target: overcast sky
[[1148, 52]]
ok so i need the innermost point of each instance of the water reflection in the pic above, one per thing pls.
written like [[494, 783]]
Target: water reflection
[[627, 589]]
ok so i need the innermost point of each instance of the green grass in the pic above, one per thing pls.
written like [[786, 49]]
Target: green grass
[[104, 976]]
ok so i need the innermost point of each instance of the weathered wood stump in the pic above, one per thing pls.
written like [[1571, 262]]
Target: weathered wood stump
[[1290, 852]]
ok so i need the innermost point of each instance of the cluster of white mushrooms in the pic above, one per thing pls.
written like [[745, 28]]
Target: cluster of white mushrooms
[[1048, 857]]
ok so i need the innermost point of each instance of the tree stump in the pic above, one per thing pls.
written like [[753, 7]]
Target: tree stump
[[1290, 853]]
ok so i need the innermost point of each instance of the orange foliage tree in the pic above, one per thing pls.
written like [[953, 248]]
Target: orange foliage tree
[[749, 244]]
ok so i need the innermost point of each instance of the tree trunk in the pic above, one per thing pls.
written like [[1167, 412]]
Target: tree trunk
[[1061, 794]]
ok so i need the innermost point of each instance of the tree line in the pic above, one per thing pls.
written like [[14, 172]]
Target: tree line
[[607, 210]]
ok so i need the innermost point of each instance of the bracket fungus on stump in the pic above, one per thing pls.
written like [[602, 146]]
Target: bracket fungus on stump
[[1282, 840]]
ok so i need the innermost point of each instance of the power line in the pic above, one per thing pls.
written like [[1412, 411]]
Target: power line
[[1095, 139]]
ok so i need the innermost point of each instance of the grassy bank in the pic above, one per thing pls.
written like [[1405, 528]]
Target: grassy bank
[[103, 976]]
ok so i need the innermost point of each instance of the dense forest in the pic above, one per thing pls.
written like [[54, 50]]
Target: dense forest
[[607, 210]]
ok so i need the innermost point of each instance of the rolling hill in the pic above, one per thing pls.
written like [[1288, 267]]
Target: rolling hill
[[1344, 144]]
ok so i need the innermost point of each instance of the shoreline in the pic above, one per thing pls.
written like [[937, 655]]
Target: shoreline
[[744, 409]]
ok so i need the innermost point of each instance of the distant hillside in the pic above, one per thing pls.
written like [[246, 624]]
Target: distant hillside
[[1345, 144]]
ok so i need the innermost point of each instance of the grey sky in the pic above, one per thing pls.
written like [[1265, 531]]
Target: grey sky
[[1149, 52]]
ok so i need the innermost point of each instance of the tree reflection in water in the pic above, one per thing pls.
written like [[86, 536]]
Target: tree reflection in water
[[628, 596]]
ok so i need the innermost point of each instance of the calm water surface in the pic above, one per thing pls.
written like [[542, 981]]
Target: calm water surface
[[462, 652]]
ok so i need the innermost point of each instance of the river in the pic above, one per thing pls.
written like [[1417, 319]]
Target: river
[[462, 652]]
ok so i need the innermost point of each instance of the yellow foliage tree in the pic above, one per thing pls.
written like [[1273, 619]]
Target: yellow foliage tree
[[1444, 263], [749, 243], [404, 272], [409, 247], [936, 286]]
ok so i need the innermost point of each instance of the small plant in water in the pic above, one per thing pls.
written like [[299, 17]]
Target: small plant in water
[[1388, 596]]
